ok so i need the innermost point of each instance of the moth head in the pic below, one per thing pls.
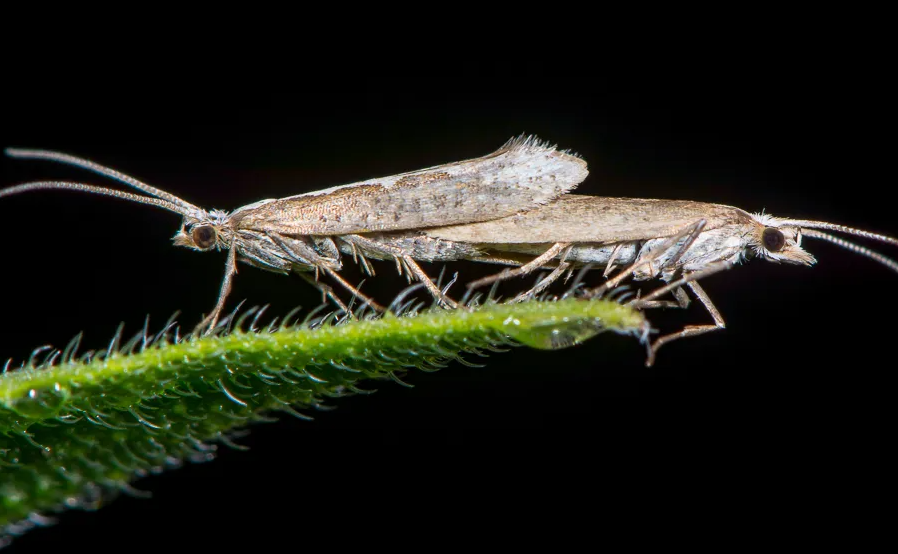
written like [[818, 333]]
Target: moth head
[[778, 241], [204, 232]]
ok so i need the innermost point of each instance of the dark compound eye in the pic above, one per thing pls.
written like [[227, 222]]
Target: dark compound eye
[[774, 241], [204, 236]]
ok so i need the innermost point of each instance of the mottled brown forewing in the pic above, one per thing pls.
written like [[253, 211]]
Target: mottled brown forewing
[[521, 175]]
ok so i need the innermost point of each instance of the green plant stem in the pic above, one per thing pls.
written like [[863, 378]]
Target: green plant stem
[[72, 432]]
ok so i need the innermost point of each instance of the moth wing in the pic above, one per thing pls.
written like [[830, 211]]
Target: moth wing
[[523, 174], [577, 218]]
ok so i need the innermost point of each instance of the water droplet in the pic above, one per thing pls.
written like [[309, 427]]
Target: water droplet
[[553, 332], [41, 403]]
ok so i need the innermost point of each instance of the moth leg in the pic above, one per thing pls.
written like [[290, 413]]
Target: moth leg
[[652, 304], [402, 260], [208, 323], [570, 273], [677, 286], [614, 254], [681, 301], [404, 268], [356, 292], [360, 259], [690, 232], [544, 284], [428, 283], [682, 298], [691, 281], [326, 291], [306, 256], [532, 265], [366, 267], [689, 330]]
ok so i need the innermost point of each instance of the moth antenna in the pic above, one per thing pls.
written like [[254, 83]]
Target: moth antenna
[[856, 248], [840, 228], [46, 185], [24, 153]]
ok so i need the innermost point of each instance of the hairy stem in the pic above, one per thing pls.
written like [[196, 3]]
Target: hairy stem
[[75, 429]]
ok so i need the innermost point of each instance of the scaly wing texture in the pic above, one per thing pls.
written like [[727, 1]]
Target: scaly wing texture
[[523, 174], [577, 218]]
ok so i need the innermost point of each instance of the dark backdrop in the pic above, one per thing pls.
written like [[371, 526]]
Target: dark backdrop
[[802, 359]]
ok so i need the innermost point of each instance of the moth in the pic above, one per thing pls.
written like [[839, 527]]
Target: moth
[[307, 233], [676, 241]]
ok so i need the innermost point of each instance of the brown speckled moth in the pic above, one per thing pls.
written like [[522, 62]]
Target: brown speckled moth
[[674, 240], [308, 232]]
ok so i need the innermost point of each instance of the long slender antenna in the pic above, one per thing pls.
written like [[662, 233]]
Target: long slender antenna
[[840, 228], [102, 170], [44, 185], [856, 248]]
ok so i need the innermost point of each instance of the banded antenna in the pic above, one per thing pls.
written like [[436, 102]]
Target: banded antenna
[[157, 197]]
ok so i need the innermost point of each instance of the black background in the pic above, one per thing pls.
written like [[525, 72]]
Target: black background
[[792, 384]]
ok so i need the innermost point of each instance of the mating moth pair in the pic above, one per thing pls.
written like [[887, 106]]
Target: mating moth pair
[[511, 207]]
